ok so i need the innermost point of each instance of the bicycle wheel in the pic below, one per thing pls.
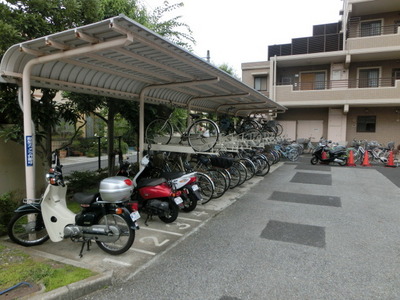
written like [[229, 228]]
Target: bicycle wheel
[[251, 168], [293, 155], [265, 167], [203, 135], [228, 178], [206, 186], [279, 129], [126, 235], [159, 131], [27, 229], [253, 134], [219, 182], [242, 170], [235, 177]]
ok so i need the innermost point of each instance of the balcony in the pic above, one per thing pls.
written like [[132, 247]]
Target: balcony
[[381, 37], [376, 31], [382, 91], [343, 84]]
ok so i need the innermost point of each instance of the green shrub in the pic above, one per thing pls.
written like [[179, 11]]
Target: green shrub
[[7, 206], [84, 181]]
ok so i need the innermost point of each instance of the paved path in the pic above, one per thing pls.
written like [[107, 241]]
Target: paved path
[[302, 232]]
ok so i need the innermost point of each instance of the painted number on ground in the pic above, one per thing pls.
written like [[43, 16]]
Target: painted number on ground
[[154, 240]]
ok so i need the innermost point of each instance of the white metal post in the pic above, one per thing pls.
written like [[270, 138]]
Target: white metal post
[[27, 109]]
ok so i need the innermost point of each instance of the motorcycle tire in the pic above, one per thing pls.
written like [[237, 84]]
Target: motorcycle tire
[[189, 204], [125, 240], [27, 229], [344, 161], [314, 160], [172, 215]]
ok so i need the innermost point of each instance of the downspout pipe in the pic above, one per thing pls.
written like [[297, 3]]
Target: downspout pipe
[[27, 108]]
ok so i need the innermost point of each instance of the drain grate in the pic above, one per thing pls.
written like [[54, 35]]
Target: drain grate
[[295, 233], [306, 199], [312, 178]]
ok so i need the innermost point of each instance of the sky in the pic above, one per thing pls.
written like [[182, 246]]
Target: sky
[[241, 31]]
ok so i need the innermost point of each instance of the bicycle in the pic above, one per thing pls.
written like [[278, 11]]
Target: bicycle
[[244, 130], [202, 135]]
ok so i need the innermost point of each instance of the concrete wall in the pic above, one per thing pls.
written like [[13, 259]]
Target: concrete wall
[[387, 124], [12, 170]]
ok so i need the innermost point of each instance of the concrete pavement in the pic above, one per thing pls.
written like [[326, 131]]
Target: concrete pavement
[[160, 238]]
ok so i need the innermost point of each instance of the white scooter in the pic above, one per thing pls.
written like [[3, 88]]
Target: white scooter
[[103, 218]]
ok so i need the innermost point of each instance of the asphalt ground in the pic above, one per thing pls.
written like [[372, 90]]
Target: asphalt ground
[[302, 232]]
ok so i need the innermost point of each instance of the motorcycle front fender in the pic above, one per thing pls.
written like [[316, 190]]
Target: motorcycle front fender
[[32, 208], [194, 195], [126, 215]]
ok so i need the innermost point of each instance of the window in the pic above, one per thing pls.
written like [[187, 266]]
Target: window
[[368, 78], [395, 76], [312, 81], [260, 83], [371, 28], [366, 123]]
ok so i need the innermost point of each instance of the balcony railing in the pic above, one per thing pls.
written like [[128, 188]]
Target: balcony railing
[[342, 84], [364, 32]]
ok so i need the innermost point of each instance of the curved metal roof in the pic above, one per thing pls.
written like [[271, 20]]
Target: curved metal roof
[[120, 58]]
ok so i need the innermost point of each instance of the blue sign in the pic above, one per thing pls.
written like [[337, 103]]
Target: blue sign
[[29, 151]]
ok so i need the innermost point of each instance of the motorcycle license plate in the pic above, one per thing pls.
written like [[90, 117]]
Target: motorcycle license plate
[[178, 200], [195, 187], [135, 216]]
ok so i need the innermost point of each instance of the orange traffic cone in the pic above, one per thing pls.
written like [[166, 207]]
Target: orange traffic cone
[[365, 162], [350, 161], [323, 155], [390, 162]]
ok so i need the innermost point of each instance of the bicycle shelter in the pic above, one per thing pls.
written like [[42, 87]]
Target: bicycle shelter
[[122, 59]]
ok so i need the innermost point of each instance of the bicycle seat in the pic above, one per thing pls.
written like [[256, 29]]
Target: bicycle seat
[[195, 116]]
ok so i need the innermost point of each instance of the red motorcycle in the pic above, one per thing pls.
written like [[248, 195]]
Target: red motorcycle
[[155, 196]]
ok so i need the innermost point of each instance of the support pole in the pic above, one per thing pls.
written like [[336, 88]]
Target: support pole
[[29, 140]]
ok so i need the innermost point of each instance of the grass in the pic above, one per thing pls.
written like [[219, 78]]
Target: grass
[[17, 266]]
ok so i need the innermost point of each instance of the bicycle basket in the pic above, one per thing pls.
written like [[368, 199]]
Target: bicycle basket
[[221, 162]]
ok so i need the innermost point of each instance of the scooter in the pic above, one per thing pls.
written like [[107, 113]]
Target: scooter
[[103, 218], [155, 196], [184, 183], [324, 154]]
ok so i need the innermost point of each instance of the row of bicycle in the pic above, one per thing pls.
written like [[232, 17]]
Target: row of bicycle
[[217, 173], [377, 153], [204, 135]]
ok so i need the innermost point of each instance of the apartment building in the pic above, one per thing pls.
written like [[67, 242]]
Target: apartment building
[[343, 82]]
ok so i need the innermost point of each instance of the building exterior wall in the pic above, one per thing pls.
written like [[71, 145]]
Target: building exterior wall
[[346, 87], [12, 175]]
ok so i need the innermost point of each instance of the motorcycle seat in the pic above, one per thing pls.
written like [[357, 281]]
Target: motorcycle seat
[[150, 182], [172, 175], [84, 198], [336, 151]]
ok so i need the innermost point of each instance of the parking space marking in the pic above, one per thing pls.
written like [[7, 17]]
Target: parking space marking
[[114, 261], [188, 219], [143, 251], [162, 231]]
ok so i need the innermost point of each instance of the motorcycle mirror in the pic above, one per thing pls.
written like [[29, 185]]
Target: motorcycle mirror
[[145, 161]]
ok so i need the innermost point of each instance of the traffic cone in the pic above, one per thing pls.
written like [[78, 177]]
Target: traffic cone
[[350, 161], [365, 162], [390, 162], [323, 155]]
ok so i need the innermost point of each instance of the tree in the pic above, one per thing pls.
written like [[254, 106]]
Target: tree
[[28, 19], [228, 69]]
